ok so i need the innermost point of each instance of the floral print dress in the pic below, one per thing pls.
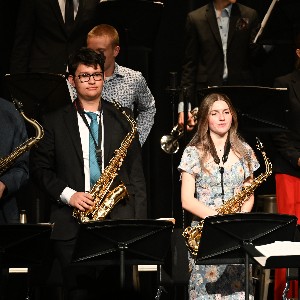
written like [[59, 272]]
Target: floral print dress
[[212, 282]]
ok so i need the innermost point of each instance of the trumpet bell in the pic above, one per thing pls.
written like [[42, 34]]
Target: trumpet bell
[[169, 144]]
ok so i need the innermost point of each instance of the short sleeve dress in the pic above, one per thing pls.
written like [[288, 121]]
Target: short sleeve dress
[[212, 282]]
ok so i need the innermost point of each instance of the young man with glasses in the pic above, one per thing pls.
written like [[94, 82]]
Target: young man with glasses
[[127, 86], [61, 166]]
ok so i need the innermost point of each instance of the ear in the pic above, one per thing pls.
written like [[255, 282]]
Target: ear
[[116, 51], [298, 52], [71, 80]]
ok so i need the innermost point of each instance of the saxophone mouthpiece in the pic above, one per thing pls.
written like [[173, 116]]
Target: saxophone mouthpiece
[[259, 144], [18, 104]]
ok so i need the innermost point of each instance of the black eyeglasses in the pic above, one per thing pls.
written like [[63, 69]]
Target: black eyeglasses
[[85, 77]]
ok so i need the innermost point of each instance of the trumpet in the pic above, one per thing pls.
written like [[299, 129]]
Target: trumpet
[[169, 143]]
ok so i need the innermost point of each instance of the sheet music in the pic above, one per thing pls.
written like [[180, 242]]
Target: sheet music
[[278, 248]]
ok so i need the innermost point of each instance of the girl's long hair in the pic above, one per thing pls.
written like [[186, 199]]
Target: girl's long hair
[[202, 140]]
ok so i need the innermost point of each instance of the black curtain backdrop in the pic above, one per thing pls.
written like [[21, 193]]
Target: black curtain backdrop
[[156, 61]]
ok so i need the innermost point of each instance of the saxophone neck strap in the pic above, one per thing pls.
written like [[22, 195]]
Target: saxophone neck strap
[[216, 158], [98, 143]]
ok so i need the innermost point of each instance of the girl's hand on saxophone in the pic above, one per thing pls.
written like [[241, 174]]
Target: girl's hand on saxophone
[[82, 200]]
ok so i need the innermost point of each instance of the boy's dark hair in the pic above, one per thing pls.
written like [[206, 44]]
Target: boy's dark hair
[[85, 56]]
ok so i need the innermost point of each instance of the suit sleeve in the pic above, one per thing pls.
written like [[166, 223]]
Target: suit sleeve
[[135, 173], [17, 174], [190, 61], [137, 179], [43, 164], [284, 141], [25, 28]]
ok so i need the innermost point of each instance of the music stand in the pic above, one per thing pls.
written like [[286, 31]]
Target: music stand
[[259, 109], [235, 232], [23, 245], [38, 92], [123, 242]]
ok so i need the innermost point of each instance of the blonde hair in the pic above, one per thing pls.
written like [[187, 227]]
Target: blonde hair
[[202, 140], [105, 30]]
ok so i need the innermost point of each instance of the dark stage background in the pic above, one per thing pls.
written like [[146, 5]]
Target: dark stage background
[[152, 42]]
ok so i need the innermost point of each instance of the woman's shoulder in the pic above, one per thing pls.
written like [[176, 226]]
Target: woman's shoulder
[[191, 150]]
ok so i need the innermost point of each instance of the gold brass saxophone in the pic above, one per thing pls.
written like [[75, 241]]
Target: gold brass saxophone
[[7, 161], [169, 142], [192, 234], [105, 200]]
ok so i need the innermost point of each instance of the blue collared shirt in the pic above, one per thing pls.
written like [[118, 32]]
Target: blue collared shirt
[[223, 24]]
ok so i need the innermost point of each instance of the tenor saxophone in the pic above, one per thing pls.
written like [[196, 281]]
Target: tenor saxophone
[[104, 199], [192, 234], [7, 161]]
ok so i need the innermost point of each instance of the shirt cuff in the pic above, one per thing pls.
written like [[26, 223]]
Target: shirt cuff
[[66, 195], [181, 107]]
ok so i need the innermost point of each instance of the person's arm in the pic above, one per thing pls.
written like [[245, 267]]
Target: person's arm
[[284, 141], [25, 28], [188, 76], [146, 110], [17, 174], [43, 163], [188, 200], [137, 179]]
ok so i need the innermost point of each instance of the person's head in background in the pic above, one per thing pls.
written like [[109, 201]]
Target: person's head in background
[[105, 38], [297, 48]]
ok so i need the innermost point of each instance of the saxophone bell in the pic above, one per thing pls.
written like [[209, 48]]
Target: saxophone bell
[[7, 161]]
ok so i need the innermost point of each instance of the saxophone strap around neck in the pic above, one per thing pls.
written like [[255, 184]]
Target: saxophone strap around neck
[[98, 143], [216, 158]]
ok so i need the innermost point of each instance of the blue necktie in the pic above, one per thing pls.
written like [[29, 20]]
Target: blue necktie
[[94, 166]]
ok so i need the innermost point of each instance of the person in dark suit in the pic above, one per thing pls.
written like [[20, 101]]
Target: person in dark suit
[[60, 165], [218, 49], [286, 163], [13, 173], [44, 40]]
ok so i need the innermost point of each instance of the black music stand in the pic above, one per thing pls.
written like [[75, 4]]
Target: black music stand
[[122, 242], [22, 245], [234, 233], [38, 92], [259, 109]]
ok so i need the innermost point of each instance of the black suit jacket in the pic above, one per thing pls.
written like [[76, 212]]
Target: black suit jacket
[[287, 145], [42, 43], [12, 134], [203, 63], [58, 162]]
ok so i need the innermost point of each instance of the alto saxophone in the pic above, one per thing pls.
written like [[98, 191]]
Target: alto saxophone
[[192, 234], [104, 199], [7, 161]]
